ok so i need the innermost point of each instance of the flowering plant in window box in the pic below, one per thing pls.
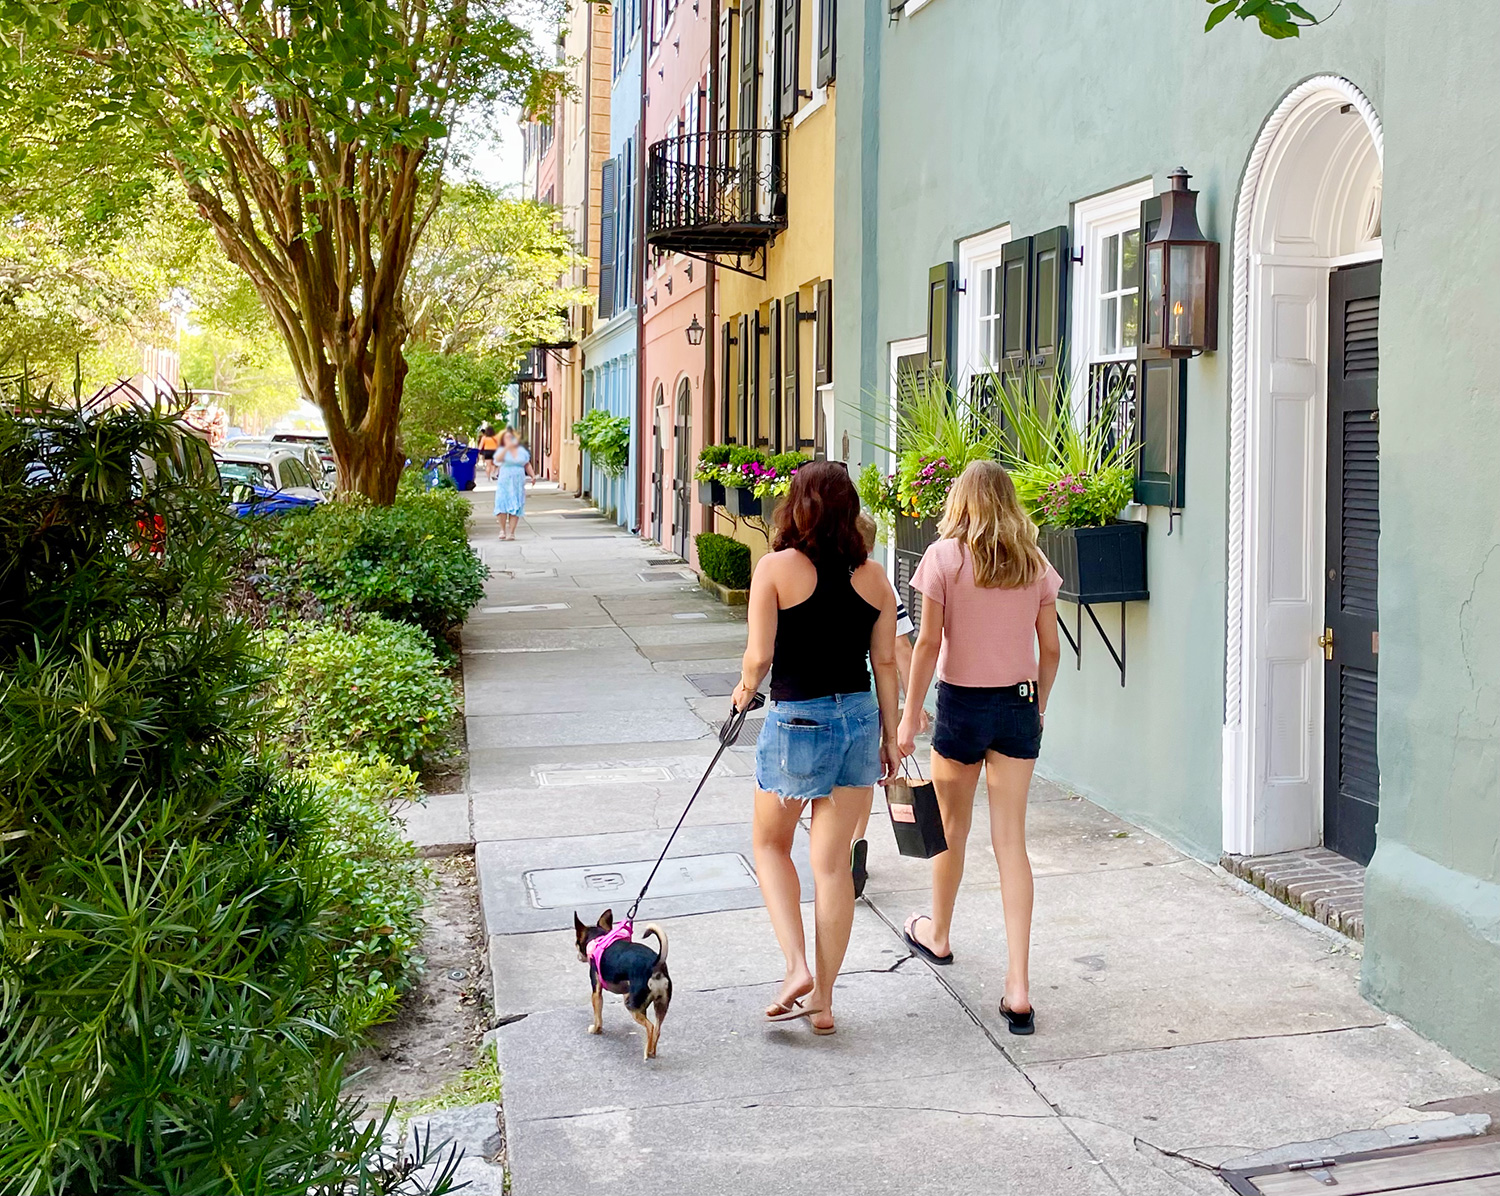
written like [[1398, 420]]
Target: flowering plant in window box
[[710, 473]]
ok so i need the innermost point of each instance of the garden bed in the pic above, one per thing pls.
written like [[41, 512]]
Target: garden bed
[[437, 1034]]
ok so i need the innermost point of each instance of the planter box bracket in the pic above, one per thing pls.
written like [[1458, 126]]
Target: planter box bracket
[[1075, 635]]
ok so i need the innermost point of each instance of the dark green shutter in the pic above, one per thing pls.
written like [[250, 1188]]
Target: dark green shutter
[[773, 377], [788, 47], [1160, 404], [791, 381], [726, 68], [823, 342], [742, 383], [752, 361], [940, 296], [726, 382], [608, 213], [749, 63], [827, 40], [1049, 298], [1015, 304]]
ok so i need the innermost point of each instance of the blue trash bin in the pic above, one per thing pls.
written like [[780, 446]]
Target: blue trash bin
[[461, 464]]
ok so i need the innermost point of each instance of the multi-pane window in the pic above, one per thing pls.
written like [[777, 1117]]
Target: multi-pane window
[[987, 315], [1119, 294], [978, 302]]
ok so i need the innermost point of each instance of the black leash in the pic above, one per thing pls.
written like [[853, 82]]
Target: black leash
[[728, 733]]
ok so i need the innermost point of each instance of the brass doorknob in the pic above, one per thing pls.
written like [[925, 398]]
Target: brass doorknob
[[1325, 641]]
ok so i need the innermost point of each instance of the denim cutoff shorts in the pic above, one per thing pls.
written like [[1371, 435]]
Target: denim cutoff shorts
[[971, 722], [808, 748]]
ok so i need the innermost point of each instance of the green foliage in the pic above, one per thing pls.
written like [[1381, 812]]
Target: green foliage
[[183, 952], [712, 456], [373, 884], [447, 393], [410, 561], [922, 484], [743, 454], [606, 439], [484, 277], [475, 1085], [1063, 467], [373, 687], [1277, 20], [723, 560], [877, 492]]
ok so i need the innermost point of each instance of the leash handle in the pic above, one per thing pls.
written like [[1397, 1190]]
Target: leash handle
[[728, 733]]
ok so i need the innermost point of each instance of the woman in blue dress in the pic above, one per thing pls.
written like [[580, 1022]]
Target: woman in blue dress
[[510, 487]]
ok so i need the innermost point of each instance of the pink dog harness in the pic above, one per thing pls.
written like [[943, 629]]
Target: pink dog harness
[[620, 934]]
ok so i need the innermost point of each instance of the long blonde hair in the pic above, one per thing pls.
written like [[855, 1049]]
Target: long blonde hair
[[983, 513]]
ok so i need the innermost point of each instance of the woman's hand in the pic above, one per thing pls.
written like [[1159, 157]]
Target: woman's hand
[[890, 760], [743, 695], [906, 734]]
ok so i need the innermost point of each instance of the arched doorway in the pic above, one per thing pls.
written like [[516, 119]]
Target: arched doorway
[[1303, 480], [658, 462], [682, 474]]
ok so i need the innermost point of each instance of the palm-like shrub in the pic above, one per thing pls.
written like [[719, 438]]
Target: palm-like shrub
[[172, 1013]]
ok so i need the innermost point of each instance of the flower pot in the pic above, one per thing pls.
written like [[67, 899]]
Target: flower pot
[[740, 501], [1098, 564], [711, 493]]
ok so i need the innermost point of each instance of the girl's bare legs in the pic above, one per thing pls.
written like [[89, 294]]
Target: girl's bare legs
[[500, 519], [774, 828], [833, 820], [955, 784], [510, 526], [1009, 781]]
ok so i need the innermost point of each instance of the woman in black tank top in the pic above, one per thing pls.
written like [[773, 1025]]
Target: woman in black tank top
[[822, 618]]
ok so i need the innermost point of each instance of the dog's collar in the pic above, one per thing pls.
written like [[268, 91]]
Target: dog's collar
[[596, 949]]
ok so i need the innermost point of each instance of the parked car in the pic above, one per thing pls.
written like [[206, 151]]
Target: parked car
[[320, 444], [321, 470], [275, 470]]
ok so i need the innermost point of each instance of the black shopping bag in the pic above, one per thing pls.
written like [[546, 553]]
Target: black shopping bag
[[915, 817]]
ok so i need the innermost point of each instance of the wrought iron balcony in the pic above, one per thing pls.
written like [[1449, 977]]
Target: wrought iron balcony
[[716, 194]]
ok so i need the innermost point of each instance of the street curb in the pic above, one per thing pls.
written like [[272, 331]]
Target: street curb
[[723, 593]]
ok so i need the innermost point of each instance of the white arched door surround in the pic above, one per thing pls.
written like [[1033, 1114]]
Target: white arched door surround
[[1309, 202]]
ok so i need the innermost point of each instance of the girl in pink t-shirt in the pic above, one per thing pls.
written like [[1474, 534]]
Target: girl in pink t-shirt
[[988, 604]]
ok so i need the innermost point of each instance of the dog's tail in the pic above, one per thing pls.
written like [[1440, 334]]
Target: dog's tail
[[661, 944]]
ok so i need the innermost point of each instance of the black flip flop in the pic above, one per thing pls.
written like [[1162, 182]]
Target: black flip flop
[[1020, 1023], [922, 949], [858, 854]]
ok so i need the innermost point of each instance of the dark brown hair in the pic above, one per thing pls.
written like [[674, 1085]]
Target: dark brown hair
[[817, 517]]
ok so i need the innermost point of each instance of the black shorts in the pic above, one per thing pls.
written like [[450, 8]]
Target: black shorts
[[971, 722], [487, 454]]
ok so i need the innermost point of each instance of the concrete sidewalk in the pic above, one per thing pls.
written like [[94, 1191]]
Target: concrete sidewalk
[[1181, 1021]]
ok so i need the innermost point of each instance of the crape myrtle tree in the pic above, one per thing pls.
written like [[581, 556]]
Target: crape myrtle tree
[[312, 136]]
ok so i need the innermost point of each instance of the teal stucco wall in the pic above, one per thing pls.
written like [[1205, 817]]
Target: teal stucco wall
[[973, 113], [1432, 897]]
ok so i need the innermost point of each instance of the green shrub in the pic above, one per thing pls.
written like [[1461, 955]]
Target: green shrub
[[181, 945], [715, 454], [372, 686], [724, 560], [373, 883], [410, 561], [606, 439], [744, 454]]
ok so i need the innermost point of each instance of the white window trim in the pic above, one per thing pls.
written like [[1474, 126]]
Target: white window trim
[[913, 6], [973, 253], [820, 93], [1094, 219]]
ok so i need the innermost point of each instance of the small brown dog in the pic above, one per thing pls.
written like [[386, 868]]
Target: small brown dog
[[632, 969]]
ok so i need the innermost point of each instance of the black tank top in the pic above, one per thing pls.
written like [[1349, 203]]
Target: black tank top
[[823, 644]]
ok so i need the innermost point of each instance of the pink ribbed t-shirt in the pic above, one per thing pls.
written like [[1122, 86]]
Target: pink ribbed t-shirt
[[989, 635]]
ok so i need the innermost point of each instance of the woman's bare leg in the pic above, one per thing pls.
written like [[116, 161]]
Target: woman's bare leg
[[774, 828], [833, 819], [1009, 781], [862, 823], [955, 784]]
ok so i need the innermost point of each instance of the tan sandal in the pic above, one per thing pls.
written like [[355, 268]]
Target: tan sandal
[[796, 1011]]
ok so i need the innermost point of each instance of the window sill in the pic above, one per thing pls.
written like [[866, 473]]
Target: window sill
[[817, 103]]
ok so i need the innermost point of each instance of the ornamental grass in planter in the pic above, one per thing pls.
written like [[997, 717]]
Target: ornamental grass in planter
[[1074, 477]]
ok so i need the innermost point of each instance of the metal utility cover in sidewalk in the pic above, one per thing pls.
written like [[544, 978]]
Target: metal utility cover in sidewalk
[[679, 876], [1467, 1168], [714, 685], [513, 873]]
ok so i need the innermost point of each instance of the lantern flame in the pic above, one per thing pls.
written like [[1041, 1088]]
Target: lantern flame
[[1177, 308]]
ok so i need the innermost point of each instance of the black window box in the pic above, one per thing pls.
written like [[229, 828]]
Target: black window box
[[741, 502], [711, 493], [1099, 564]]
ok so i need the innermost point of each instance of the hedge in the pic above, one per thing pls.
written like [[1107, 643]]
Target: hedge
[[724, 560]]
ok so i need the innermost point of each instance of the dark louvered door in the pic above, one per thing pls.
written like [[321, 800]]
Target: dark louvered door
[[1351, 770]]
